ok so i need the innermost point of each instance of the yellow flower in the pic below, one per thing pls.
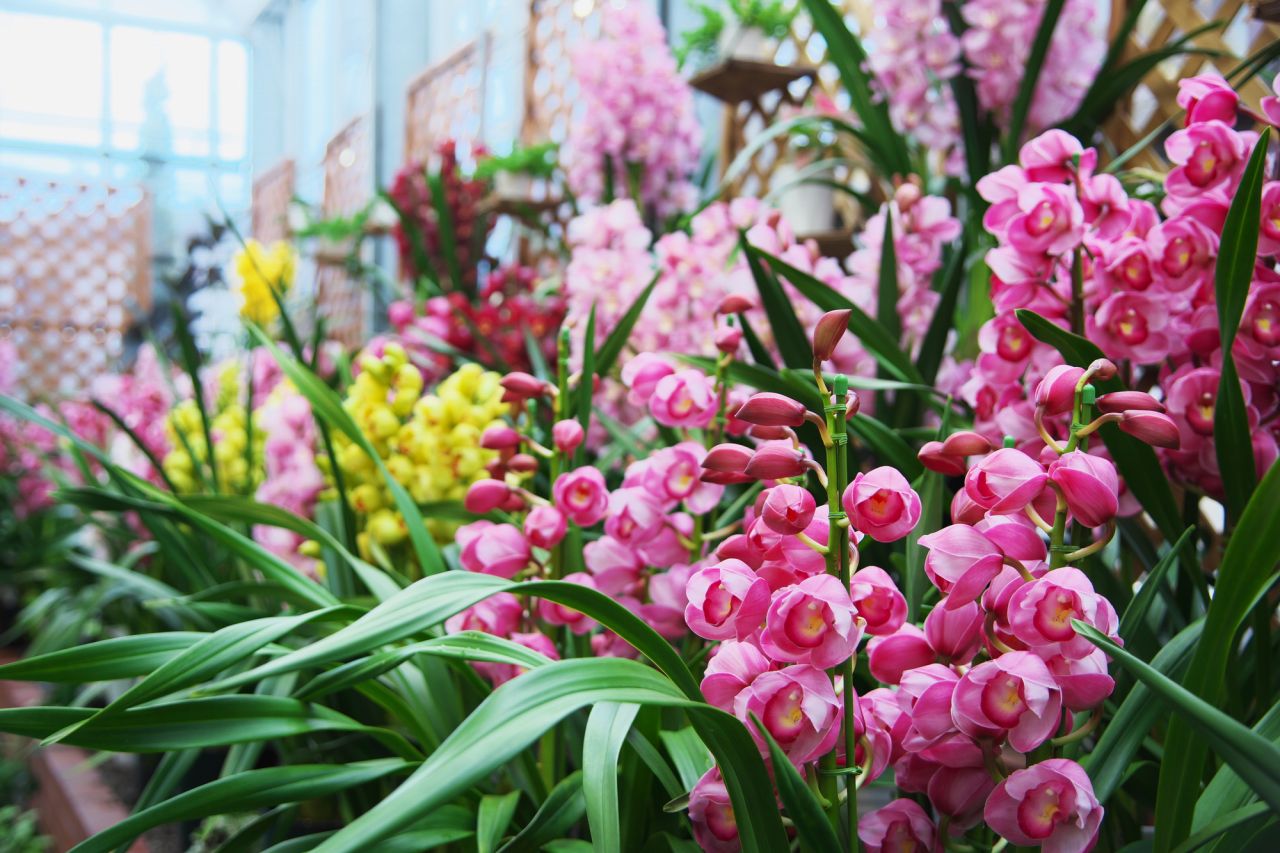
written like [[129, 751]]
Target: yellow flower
[[259, 272]]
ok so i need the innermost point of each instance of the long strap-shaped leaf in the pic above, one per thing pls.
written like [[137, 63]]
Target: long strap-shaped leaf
[[1233, 274], [246, 792], [518, 712], [607, 729], [1243, 577], [1030, 76], [788, 335], [105, 660]]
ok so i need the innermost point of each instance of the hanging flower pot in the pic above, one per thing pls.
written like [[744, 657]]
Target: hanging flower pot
[[808, 207]]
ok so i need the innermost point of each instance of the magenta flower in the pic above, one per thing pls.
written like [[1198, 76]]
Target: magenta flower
[[1205, 155], [882, 504], [902, 825], [787, 509], [1050, 222], [727, 601], [581, 495], [1013, 695], [486, 495], [733, 666], [925, 694], [961, 562], [890, 656], [1056, 393], [1154, 428], [1015, 536], [615, 566], [667, 601], [642, 374], [715, 827], [1040, 613], [672, 474], [812, 622], [1006, 481], [545, 526], [567, 435], [877, 600], [797, 706], [686, 398], [775, 460], [1133, 325], [634, 516], [1183, 252], [1090, 486], [1050, 804], [1207, 97], [494, 549], [955, 633], [1084, 681]]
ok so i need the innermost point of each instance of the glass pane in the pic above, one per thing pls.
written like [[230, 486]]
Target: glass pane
[[50, 79], [160, 91], [233, 100]]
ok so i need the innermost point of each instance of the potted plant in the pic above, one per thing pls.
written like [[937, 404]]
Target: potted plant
[[513, 174], [743, 33], [802, 184]]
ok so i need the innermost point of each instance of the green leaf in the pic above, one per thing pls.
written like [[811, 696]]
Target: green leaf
[[888, 445], [493, 818], [788, 335], [557, 814], [607, 729], [1030, 76], [947, 283], [688, 754], [1227, 791], [1136, 613], [1244, 576], [1110, 758], [1255, 758], [759, 352], [444, 224], [813, 829], [1233, 274], [1222, 824], [586, 385], [518, 712], [1134, 459], [105, 660], [607, 354], [191, 364], [871, 334], [249, 791], [887, 287], [326, 404]]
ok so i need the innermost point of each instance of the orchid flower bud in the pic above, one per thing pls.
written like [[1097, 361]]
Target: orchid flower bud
[[1102, 368], [828, 332], [851, 404], [966, 443], [728, 339], [523, 386], [771, 433], [1155, 428], [724, 478], [1090, 486], [769, 409], [735, 303], [1126, 401], [1056, 393], [728, 458], [933, 456], [775, 461], [485, 496], [522, 463], [788, 509], [567, 435], [500, 437]]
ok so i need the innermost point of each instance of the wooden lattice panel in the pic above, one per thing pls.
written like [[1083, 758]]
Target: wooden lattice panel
[[447, 101], [348, 186], [555, 26], [75, 268], [272, 193], [1164, 21]]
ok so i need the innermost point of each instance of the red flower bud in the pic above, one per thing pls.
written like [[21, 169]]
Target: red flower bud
[[775, 461], [735, 303], [724, 478], [727, 458], [728, 339], [829, 331], [486, 496], [1125, 401], [1102, 368], [1155, 428], [567, 435], [522, 463], [522, 386], [769, 409], [500, 437], [770, 433], [1056, 393], [934, 457], [966, 443]]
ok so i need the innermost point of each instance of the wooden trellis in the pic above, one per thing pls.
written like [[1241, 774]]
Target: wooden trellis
[[348, 185], [75, 268], [272, 193], [555, 26], [447, 101], [1161, 22]]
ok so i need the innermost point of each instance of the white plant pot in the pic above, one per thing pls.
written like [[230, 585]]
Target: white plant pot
[[746, 43], [807, 208], [513, 185]]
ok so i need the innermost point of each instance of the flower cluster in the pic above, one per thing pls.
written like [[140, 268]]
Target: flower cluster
[[263, 275], [430, 443], [635, 133], [291, 478], [1142, 287], [233, 465]]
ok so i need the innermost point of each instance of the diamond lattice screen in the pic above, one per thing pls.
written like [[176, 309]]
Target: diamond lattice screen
[[272, 192], [348, 186], [75, 268], [447, 101]]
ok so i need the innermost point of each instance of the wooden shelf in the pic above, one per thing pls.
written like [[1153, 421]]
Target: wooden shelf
[[833, 243], [736, 80], [522, 208]]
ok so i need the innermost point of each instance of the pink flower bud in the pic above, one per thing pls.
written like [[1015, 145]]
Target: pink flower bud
[[400, 314], [1013, 695], [523, 386], [1056, 393], [1155, 428], [735, 303], [1049, 804], [724, 478], [964, 510], [1041, 612], [877, 600], [729, 458], [545, 526], [775, 461], [739, 547], [812, 622], [901, 825], [961, 562], [727, 601], [955, 633], [1090, 486], [829, 331], [1005, 481], [715, 827], [567, 435], [500, 437], [852, 404], [966, 443], [494, 549], [522, 463], [1102, 368], [769, 433], [485, 496], [728, 339], [581, 495], [933, 456], [891, 656], [798, 707], [685, 398], [882, 504], [1124, 401], [788, 509], [769, 409]]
